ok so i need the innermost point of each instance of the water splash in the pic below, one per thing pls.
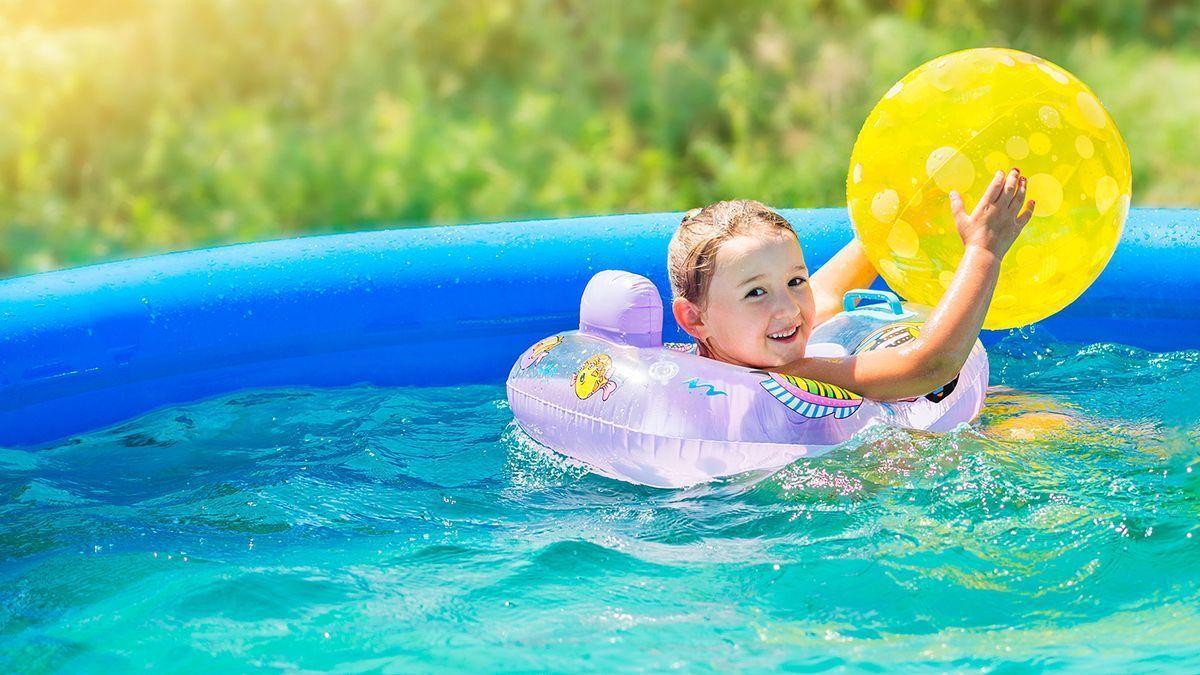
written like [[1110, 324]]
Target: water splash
[[420, 529]]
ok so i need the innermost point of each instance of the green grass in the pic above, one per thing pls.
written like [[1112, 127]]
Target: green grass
[[138, 126]]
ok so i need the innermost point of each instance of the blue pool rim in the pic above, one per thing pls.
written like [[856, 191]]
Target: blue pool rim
[[85, 348]]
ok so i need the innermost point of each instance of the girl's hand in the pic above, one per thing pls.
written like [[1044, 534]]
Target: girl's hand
[[998, 218]]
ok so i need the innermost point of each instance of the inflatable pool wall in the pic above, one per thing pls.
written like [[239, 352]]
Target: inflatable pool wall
[[85, 348]]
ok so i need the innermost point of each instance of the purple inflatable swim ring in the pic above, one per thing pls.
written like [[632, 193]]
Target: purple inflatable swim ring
[[613, 396]]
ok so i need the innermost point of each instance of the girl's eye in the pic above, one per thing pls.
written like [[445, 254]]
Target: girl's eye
[[756, 292], [796, 281]]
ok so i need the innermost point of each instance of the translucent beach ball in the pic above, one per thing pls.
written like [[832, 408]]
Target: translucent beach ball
[[950, 125]]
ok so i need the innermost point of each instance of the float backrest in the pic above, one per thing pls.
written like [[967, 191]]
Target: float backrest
[[622, 307]]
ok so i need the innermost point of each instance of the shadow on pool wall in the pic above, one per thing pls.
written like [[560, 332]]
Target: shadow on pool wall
[[84, 348]]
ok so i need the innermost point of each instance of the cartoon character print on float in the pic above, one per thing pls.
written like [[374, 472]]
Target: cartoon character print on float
[[539, 351], [595, 376]]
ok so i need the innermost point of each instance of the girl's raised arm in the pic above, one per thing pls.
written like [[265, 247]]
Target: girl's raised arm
[[939, 352], [847, 270]]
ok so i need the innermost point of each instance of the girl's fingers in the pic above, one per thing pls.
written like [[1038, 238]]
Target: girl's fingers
[[1023, 218], [1019, 198], [992, 194], [956, 207], [1010, 183]]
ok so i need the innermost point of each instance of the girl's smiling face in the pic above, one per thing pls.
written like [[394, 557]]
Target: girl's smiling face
[[759, 307]]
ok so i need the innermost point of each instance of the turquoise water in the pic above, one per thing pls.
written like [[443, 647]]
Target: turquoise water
[[414, 529]]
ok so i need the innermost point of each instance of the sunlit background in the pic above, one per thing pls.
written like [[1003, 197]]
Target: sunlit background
[[138, 126]]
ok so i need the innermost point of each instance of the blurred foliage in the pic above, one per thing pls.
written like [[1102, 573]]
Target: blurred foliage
[[136, 126]]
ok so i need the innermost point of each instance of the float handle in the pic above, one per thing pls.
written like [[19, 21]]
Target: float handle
[[850, 300]]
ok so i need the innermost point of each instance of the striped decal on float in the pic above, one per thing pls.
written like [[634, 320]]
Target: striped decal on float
[[811, 398]]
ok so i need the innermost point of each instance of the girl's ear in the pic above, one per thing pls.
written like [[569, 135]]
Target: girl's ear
[[690, 318]]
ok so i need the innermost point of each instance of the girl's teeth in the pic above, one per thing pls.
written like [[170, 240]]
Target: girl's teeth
[[781, 335]]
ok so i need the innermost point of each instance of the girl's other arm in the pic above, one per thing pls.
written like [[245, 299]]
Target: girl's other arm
[[847, 270], [945, 342]]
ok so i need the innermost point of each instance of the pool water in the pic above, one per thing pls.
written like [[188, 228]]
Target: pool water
[[418, 529]]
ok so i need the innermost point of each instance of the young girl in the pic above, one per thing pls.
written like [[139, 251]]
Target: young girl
[[743, 291]]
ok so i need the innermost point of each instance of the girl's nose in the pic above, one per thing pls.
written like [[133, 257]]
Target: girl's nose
[[785, 308]]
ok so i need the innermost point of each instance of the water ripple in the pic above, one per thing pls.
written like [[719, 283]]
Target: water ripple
[[420, 529]]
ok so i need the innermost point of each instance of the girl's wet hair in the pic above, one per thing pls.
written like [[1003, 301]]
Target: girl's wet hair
[[692, 253]]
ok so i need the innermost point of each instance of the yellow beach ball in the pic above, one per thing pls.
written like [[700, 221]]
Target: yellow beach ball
[[950, 125]]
